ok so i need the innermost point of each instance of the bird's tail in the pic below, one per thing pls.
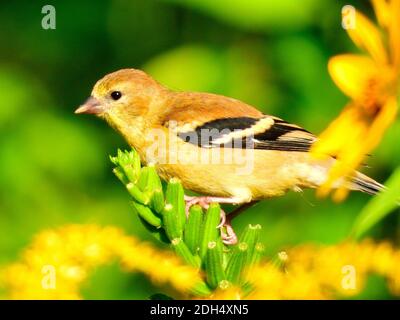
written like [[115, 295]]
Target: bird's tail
[[363, 183]]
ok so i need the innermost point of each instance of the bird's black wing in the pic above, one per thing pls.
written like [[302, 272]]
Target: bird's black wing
[[266, 133]]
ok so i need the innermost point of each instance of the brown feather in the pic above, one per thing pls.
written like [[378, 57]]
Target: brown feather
[[185, 107]]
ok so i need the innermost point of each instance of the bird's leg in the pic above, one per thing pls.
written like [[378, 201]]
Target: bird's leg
[[227, 233], [190, 201], [205, 201]]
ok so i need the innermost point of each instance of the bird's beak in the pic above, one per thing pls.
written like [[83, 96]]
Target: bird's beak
[[91, 106]]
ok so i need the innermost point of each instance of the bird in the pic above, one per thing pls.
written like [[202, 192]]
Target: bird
[[220, 148]]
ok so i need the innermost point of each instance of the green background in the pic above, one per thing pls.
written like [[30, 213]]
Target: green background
[[54, 166]]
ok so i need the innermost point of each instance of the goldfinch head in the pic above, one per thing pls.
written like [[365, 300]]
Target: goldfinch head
[[121, 95]]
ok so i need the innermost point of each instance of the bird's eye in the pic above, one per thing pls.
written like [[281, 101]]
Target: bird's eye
[[115, 95]]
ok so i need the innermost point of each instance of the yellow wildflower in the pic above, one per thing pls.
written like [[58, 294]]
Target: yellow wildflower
[[230, 293], [371, 81], [57, 262], [313, 272]]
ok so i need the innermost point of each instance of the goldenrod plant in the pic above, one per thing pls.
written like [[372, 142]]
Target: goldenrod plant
[[194, 236]]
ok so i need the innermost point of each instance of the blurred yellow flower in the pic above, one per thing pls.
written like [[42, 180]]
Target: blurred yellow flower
[[316, 272], [56, 264], [313, 272], [372, 83]]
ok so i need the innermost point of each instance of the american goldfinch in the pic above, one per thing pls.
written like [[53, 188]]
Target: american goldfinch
[[219, 147]]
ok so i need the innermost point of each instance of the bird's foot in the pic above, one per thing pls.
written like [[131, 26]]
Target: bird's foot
[[203, 202], [227, 233]]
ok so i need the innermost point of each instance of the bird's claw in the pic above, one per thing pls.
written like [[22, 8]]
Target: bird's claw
[[190, 201], [228, 235], [223, 219]]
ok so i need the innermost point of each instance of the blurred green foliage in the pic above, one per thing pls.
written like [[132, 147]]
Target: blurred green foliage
[[54, 166]]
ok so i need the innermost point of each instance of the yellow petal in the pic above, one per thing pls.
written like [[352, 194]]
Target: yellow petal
[[383, 120], [337, 135], [382, 12], [363, 135], [352, 73], [394, 32], [367, 37], [341, 194], [338, 141], [351, 157]]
